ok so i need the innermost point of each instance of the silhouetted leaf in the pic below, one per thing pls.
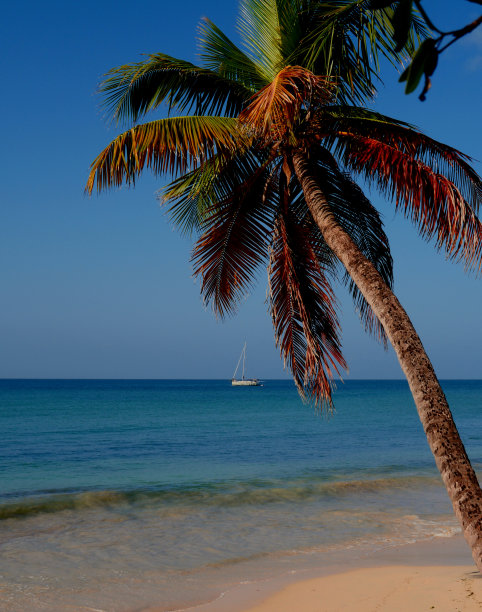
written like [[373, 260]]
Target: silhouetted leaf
[[417, 67], [429, 69], [431, 61], [402, 19]]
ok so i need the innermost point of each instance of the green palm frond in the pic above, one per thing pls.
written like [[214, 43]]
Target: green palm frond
[[344, 113], [260, 29], [302, 307], [236, 235], [132, 90], [344, 39], [194, 195], [290, 18], [170, 145], [332, 47], [378, 29], [220, 55]]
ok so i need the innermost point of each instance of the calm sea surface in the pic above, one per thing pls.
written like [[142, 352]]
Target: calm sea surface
[[116, 495]]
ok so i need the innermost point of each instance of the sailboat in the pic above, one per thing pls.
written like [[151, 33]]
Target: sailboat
[[244, 382]]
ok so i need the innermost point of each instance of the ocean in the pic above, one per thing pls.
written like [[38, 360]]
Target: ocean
[[118, 495]]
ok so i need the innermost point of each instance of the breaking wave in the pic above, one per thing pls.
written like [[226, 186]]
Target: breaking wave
[[225, 494]]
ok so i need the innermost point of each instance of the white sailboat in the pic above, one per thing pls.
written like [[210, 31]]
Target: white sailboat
[[243, 381]]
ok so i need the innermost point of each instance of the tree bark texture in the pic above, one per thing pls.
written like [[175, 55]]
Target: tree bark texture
[[443, 438]]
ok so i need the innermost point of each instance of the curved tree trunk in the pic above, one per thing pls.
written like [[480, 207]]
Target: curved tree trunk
[[450, 456]]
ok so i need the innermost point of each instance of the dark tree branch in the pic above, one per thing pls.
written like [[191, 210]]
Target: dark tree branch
[[425, 59], [426, 18], [462, 32]]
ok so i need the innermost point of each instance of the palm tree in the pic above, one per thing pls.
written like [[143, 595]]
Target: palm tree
[[263, 157]]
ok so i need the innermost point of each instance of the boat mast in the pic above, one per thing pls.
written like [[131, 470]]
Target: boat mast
[[244, 357]]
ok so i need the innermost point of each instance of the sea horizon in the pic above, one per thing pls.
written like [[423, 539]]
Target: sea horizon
[[287, 379]]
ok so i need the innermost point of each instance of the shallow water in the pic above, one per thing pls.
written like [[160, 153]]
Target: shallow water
[[121, 494]]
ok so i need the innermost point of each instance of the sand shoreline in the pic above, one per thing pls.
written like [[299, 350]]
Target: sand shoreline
[[436, 574], [388, 589]]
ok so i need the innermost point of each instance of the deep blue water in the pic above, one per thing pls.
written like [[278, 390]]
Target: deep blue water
[[105, 479]]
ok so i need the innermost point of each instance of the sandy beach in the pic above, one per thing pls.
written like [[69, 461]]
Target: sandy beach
[[434, 575], [388, 589]]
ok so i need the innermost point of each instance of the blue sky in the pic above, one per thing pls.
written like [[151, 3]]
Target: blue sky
[[103, 287]]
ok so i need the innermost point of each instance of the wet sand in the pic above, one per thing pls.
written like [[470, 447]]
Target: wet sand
[[434, 575]]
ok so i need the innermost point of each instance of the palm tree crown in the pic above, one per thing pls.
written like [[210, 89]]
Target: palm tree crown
[[293, 91]]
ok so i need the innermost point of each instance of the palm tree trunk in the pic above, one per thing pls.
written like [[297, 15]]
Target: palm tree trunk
[[443, 438]]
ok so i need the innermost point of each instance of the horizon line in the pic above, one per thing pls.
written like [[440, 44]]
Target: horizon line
[[198, 379]]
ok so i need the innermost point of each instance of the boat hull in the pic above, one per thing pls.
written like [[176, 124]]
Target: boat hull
[[248, 382]]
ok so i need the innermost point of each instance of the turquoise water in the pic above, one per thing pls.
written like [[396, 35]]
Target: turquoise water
[[123, 494]]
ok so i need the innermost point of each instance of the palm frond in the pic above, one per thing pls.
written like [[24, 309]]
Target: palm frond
[[220, 55], [302, 306], [290, 18], [236, 235], [344, 113], [260, 30], [350, 122], [344, 38], [408, 167], [273, 110], [168, 145], [194, 196], [130, 91], [331, 48]]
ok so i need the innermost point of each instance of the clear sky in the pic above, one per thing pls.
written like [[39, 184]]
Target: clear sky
[[103, 287]]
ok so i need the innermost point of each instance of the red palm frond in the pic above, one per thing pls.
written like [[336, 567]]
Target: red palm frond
[[273, 110], [351, 123], [430, 199], [302, 308]]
